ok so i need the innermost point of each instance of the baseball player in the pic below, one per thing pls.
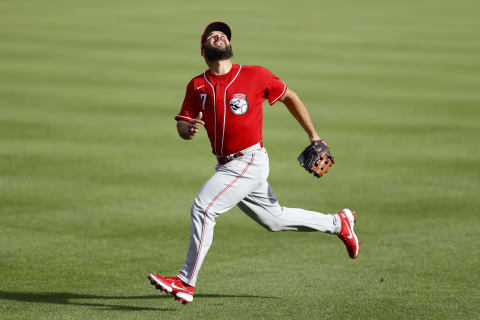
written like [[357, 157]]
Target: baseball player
[[227, 101]]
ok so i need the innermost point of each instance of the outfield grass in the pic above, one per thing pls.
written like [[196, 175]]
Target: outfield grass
[[95, 185]]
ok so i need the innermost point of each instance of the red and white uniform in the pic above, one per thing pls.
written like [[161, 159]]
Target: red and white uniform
[[232, 111], [232, 105]]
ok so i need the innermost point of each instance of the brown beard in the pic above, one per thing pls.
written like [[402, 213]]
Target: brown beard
[[215, 54]]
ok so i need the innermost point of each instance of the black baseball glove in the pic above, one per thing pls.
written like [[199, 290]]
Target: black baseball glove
[[316, 158]]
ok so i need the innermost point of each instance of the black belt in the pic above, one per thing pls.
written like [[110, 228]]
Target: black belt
[[230, 157]]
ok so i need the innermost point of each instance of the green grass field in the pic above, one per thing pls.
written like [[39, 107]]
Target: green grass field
[[96, 186]]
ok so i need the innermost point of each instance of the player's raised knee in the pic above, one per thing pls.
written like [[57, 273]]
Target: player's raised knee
[[197, 208]]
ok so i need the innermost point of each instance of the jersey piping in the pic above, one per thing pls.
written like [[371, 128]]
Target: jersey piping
[[281, 95], [214, 114], [225, 107], [188, 118]]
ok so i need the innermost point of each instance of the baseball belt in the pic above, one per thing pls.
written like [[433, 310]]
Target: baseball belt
[[230, 157]]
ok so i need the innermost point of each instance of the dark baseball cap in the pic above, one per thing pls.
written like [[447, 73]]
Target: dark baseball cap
[[217, 26]]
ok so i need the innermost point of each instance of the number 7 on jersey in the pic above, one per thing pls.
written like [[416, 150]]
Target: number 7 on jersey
[[203, 96]]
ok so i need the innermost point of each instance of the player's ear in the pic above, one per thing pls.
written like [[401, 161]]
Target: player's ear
[[202, 51]]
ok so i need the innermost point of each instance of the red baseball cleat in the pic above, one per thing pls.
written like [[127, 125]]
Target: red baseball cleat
[[174, 286], [347, 218]]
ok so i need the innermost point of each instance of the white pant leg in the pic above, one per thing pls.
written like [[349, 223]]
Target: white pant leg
[[231, 183], [262, 206]]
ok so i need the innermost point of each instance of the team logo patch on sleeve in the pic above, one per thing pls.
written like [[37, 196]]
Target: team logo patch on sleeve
[[239, 104]]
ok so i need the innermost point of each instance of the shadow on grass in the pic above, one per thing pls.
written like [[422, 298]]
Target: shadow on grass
[[64, 298]]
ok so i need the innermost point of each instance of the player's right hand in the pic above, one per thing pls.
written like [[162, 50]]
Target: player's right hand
[[194, 126]]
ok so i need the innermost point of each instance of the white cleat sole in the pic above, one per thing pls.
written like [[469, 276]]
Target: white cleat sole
[[185, 296]]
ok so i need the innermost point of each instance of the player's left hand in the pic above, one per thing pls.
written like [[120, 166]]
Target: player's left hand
[[316, 158]]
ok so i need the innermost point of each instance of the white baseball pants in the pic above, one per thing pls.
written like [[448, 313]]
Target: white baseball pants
[[243, 182]]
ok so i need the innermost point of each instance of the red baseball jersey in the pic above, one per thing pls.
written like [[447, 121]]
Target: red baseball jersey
[[232, 105]]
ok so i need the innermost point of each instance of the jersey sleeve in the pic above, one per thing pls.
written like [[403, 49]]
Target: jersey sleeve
[[274, 87], [189, 107]]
